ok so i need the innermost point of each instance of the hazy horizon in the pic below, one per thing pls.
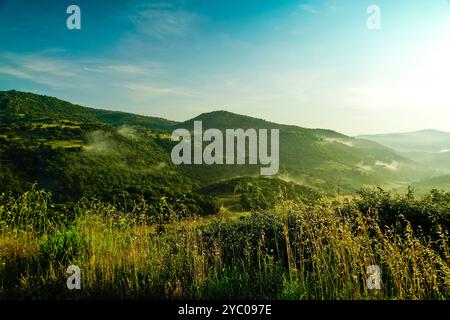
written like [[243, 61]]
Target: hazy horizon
[[313, 64]]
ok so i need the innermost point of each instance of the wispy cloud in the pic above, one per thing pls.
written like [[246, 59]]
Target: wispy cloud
[[125, 68], [157, 90], [15, 72], [119, 68], [307, 8], [44, 68], [55, 68], [162, 20], [316, 8], [331, 6], [40, 72], [39, 68]]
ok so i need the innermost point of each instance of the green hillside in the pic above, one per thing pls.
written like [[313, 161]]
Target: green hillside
[[22, 107], [75, 152], [322, 158], [256, 193]]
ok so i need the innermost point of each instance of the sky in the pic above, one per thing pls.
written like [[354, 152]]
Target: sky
[[310, 63]]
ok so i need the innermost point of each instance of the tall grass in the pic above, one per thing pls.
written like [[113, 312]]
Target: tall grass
[[294, 251]]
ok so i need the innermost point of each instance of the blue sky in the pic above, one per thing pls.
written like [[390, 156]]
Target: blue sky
[[310, 63]]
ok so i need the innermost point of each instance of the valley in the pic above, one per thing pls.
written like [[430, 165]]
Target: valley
[[428, 148]]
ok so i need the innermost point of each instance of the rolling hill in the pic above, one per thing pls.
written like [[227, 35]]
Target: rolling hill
[[21, 107], [318, 157], [74, 152]]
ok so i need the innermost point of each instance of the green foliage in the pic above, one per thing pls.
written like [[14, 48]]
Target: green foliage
[[261, 192], [32, 211], [63, 246], [429, 215]]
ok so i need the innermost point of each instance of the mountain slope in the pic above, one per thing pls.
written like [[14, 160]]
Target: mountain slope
[[317, 157], [77, 151], [73, 152], [18, 106]]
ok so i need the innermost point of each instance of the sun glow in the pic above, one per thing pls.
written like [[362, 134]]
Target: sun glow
[[428, 83]]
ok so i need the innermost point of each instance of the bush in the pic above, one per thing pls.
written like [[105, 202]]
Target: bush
[[429, 215]]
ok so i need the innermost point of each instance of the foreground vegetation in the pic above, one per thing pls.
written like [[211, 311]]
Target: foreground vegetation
[[295, 250]]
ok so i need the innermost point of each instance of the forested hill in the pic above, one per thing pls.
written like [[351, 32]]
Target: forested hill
[[18, 106], [319, 157], [74, 151]]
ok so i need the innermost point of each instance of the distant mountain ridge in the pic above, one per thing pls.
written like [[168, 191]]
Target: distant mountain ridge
[[430, 148], [428, 140]]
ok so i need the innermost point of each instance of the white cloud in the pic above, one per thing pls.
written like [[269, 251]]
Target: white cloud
[[15, 72], [123, 69], [331, 6], [307, 8], [153, 90], [162, 20], [315, 9], [42, 68], [52, 67], [40, 79]]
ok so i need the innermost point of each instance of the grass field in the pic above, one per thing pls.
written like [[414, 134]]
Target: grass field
[[295, 251], [65, 144]]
